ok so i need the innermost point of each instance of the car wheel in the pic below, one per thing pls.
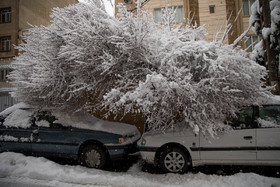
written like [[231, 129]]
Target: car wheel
[[93, 156], [173, 160]]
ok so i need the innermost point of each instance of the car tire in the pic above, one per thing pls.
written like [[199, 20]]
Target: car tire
[[174, 160], [93, 156]]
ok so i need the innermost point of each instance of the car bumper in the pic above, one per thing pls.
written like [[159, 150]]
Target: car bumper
[[148, 154], [117, 152]]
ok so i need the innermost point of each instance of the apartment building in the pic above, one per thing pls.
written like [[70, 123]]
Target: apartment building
[[211, 13], [15, 17]]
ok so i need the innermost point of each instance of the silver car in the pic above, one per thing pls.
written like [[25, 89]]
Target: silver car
[[254, 140]]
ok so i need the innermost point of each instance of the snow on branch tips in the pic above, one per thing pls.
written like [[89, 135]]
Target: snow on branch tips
[[88, 60]]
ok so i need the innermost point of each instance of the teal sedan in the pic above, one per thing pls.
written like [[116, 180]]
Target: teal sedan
[[81, 136]]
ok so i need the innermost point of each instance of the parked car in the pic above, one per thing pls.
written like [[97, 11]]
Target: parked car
[[254, 140], [80, 136]]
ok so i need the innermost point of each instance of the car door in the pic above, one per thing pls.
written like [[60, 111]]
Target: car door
[[238, 144], [52, 139], [268, 133], [16, 131]]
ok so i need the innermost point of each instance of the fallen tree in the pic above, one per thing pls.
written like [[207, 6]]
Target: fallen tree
[[88, 60]]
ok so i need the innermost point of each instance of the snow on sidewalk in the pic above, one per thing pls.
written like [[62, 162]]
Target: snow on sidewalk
[[19, 170]]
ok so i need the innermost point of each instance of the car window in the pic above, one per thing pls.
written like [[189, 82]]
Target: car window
[[244, 119], [44, 119], [269, 116]]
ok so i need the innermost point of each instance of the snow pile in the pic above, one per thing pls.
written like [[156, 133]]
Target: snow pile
[[16, 168], [8, 138]]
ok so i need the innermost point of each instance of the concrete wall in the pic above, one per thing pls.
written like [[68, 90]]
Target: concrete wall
[[213, 21], [224, 10], [35, 12]]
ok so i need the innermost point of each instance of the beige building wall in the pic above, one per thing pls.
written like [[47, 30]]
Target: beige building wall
[[224, 10], [151, 5], [35, 12], [9, 29], [213, 21], [155, 4], [190, 7]]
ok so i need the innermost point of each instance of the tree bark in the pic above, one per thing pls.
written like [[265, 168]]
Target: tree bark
[[270, 52]]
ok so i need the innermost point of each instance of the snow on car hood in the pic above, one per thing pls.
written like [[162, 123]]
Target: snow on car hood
[[84, 120]]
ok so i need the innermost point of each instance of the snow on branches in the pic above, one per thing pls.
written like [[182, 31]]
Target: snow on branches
[[273, 31], [130, 64]]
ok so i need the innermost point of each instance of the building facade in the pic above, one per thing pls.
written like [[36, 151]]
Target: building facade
[[211, 13], [15, 17]]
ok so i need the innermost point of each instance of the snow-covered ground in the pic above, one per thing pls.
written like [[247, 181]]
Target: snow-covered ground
[[19, 170]]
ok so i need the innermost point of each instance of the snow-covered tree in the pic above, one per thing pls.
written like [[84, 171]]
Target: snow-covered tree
[[62, 64], [265, 20], [130, 64]]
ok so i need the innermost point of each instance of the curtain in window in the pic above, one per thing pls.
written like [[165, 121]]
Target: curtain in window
[[246, 8], [157, 15], [249, 44], [179, 14]]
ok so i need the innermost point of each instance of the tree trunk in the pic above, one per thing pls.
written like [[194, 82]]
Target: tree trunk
[[270, 53]]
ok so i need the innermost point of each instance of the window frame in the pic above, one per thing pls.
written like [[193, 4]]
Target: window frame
[[253, 42], [263, 109], [176, 14], [211, 9], [5, 15], [3, 74], [4, 42], [247, 10]]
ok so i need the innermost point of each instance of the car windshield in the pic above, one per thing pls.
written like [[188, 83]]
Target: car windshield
[[19, 118]]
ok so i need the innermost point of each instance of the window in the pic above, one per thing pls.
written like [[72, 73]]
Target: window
[[127, 1], [44, 119], [212, 9], [244, 119], [3, 75], [247, 7], [178, 15], [269, 116], [6, 15], [251, 42], [5, 43]]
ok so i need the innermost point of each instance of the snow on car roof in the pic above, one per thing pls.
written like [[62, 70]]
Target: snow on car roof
[[80, 119], [275, 99], [85, 120]]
